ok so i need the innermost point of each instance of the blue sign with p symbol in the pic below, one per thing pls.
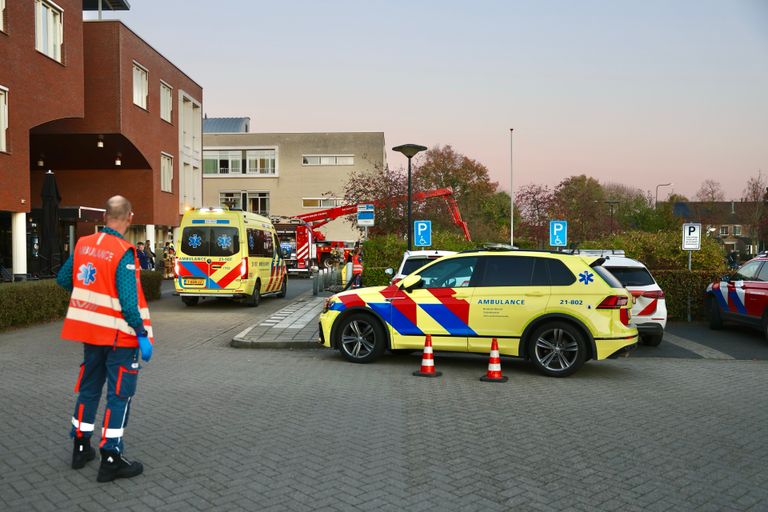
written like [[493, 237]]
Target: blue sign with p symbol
[[558, 233], [422, 233]]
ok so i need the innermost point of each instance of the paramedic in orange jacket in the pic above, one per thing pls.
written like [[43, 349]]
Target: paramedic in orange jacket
[[108, 314]]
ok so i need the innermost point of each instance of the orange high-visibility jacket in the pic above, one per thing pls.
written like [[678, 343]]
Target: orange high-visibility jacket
[[357, 265], [94, 315]]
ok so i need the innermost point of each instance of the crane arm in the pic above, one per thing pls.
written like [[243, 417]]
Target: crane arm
[[321, 217]]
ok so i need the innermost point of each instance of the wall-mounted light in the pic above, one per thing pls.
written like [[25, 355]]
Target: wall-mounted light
[[41, 160], [100, 142], [118, 162]]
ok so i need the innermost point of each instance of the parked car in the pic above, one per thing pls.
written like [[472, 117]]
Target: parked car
[[649, 312], [558, 310], [742, 297], [414, 260]]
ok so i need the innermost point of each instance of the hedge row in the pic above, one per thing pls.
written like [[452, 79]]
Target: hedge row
[[677, 284], [32, 302]]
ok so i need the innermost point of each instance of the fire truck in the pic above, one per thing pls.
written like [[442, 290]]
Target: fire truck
[[303, 245]]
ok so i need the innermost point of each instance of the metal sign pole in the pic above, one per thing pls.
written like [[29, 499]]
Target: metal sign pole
[[689, 288]]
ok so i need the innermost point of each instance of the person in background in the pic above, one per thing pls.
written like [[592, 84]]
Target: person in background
[[150, 254], [357, 270], [143, 259], [169, 261], [108, 314]]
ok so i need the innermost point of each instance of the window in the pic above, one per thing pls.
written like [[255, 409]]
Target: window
[[166, 172], [328, 159], [166, 102], [514, 271], [260, 161], [233, 200], [258, 202], [2, 15], [559, 275], [736, 230], [210, 241], [140, 85], [763, 274], [260, 243], [222, 162], [3, 118], [723, 230], [747, 272], [49, 28], [451, 273], [321, 202], [632, 276]]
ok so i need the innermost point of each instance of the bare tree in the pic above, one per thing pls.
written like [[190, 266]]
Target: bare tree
[[755, 196], [710, 192]]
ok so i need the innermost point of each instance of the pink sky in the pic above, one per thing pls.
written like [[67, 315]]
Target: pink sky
[[638, 93]]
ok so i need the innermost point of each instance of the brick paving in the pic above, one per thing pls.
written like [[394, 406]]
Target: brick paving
[[273, 430]]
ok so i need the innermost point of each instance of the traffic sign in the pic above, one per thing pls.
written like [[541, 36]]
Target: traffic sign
[[558, 233], [691, 236], [422, 233], [365, 215]]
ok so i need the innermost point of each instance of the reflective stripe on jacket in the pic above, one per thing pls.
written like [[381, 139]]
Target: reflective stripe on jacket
[[357, 265], [94, 315]]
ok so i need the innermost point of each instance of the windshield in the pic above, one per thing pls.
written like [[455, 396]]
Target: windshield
[[632, 276], [413, 264], [210, 241]]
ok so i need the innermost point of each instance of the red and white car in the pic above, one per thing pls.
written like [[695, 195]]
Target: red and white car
[[741, 298], [649, 313]]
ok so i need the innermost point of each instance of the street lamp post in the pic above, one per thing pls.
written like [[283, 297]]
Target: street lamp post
[[612, 205], [409, 150], [657, 192]]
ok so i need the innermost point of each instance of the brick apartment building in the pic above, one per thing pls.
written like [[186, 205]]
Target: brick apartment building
[[96, 104]]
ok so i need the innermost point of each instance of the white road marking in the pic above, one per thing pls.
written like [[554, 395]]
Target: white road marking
[[696, 348], [295, 316]]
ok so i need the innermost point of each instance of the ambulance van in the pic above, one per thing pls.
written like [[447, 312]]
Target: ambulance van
[[228, 254]]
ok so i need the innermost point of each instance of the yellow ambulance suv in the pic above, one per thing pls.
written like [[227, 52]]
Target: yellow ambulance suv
[[228, 253], [557, 310]]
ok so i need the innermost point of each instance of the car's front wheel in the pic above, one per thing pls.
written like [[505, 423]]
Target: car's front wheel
[[360, 338], [557, 349]]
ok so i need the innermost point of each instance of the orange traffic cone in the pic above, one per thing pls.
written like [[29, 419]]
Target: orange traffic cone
[[427, 361], [494, 365]]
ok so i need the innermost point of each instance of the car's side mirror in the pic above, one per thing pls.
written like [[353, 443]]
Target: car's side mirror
[[410, 282], [389, 271]]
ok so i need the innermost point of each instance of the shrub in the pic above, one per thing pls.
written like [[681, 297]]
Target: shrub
[[150, 283], [375, 276], [677, 284], [387, 250], [31, 302], [662, 250]]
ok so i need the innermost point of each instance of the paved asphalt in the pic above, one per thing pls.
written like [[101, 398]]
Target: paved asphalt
[[220, 428]]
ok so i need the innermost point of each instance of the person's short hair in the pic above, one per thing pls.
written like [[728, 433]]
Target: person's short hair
[[140, 243], [118, 208]]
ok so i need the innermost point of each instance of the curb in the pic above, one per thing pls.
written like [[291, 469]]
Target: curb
[[240, 343]]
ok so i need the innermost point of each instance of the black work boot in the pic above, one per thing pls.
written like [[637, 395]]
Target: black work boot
[[114, 465], [82, 452]]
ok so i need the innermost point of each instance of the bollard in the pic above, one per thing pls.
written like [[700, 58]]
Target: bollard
[[314, 278]]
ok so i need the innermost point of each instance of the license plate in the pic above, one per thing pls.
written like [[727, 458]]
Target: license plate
[[194, 281]]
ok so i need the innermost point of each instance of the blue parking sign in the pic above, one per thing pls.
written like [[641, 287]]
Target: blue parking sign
[[558, 233], [422, 233]]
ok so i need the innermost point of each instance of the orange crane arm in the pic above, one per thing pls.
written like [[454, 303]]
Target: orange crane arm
[[321, 217]]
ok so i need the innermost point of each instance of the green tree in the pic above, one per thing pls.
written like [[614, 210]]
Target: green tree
[[475, 193], [581, 201]]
